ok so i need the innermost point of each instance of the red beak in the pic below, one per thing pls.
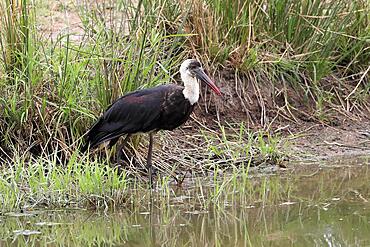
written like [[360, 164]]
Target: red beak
[[201, 75]]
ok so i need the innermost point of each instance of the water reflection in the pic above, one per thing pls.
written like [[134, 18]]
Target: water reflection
[[327, 207]]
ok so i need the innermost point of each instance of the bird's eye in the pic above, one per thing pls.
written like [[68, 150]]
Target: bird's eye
[[191, 73]]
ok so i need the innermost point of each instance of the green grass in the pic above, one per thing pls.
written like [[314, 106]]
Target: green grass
[[237, 145], [44, 182], [320, 37]]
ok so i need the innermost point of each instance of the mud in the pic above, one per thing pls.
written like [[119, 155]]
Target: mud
[[323, 142]]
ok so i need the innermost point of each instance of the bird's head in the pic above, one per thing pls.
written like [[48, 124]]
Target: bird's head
[[193, 69]]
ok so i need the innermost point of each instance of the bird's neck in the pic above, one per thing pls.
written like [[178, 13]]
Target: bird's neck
[[191, 90]]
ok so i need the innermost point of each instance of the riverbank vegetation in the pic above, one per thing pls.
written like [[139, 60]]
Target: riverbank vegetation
[[291, 60]]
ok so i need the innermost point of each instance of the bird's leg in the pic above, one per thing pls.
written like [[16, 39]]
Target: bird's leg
[[149, 159]]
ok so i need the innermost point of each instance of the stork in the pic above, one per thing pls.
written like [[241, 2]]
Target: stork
[[164, 107]]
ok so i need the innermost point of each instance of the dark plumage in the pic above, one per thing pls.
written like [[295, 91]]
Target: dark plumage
[[163, 107]]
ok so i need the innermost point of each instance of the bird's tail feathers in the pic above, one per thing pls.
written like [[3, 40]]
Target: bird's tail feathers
[[93, 140]]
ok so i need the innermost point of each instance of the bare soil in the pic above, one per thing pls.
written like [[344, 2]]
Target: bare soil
[[57, 18], [318, 141]]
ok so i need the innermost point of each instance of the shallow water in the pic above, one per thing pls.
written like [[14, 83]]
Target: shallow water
[[325, 205]]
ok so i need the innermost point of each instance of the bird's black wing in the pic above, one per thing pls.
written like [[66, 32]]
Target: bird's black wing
[[134, 112]]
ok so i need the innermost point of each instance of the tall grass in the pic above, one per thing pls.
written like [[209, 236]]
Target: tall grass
[[15, 36], [54, 89], [314, 35], [311, 52]]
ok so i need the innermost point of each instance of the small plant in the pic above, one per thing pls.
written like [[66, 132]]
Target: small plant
[[239, 146]]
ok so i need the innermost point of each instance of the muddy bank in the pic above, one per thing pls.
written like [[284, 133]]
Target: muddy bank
[[323, 142], [312, 128], [301, 139]]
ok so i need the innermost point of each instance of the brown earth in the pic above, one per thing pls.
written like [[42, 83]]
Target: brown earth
[[320, 141]]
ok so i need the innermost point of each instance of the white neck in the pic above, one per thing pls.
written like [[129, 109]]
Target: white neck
[[191, 90]]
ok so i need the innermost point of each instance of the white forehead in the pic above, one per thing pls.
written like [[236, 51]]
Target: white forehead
[[185, 65]]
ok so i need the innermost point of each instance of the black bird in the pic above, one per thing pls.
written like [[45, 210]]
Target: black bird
[[163, 107]]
